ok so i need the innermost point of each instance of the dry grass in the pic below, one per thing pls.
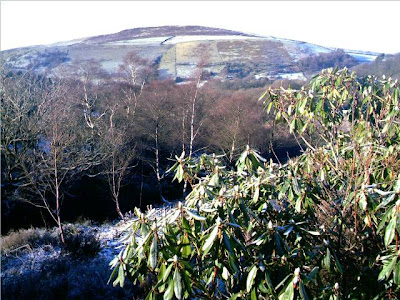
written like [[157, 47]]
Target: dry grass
[[27, 239], [78, 240]]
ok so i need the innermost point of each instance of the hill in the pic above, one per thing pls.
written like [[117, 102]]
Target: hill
[[176, 51]]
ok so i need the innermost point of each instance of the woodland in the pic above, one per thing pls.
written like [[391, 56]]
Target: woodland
[[278, 190]]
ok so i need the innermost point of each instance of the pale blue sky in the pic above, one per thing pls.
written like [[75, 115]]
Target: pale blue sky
[[357, 25]]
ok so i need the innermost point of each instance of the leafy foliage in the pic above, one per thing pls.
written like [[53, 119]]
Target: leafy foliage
[[324, 225]]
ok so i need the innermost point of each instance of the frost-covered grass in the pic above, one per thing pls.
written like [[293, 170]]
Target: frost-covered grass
[[48, 270], [79, 270], [47, 274]]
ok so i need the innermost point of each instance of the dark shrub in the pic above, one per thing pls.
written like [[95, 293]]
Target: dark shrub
[[81, 242]]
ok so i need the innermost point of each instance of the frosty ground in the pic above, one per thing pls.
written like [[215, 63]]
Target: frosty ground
[[36, 266]]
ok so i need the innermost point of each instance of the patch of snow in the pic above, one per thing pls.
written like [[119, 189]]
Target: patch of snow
[[262, 75], [290, 76], [363, 57], [66, 43], [44, 145], [193, 38], [140, 42]]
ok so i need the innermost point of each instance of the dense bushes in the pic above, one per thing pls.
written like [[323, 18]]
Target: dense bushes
[[325, 225]]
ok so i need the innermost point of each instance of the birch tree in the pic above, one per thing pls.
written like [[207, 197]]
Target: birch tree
[[50, 147]]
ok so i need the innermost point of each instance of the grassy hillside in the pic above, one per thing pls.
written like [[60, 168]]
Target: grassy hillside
[[175, 50]]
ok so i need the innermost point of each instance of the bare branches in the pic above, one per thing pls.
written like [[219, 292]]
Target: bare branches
[[43, 139]]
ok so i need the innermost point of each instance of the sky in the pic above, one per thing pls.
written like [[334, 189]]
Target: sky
[[356, 25]]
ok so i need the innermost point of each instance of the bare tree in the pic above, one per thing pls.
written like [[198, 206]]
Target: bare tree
[[118, 129], [51, 145], [193, 100], [236, 120], [159, 121], [89, 78], [118, 142], [134, 73]]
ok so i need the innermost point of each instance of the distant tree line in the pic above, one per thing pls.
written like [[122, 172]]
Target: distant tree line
[[337, 58], [388, 65]]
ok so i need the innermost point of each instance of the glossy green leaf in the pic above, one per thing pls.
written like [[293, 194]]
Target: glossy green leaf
[[387, 269], [167, 272], [161, 272], [396, 274], [288, 293], [250, 278], [210, 240], [177, 284], [186, 249], [169, 293], [195, 216], [228, 244], [150, 296], [121, 276], [225, 273], [390, 231], [326, 262], [174, 216], [152, 262], [253, 295]]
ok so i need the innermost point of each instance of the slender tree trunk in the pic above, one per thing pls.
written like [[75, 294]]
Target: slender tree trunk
[[115, 189], [57, 190], [117, 208], [114, 183], [192, 131], [141, 189], [87, 110], [183, 130], [158, 163], [192, 118], [233, 148]]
